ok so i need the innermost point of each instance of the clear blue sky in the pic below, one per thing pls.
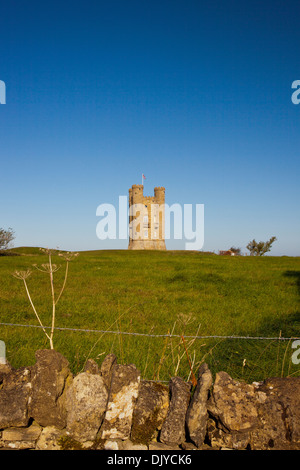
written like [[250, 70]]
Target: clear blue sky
[[194, 94]]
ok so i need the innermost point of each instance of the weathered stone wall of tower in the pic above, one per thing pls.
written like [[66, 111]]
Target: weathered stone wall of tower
[[159, 196], [146, 219]]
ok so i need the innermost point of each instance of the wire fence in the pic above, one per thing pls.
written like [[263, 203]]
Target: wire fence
[[160, 356], [166, 335]]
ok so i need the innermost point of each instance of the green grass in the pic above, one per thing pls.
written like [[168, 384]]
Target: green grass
[[158, 292]]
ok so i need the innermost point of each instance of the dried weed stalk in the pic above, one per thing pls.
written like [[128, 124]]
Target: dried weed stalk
[[48, 268]]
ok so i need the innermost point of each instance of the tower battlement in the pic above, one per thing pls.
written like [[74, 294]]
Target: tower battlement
[[146, 219]]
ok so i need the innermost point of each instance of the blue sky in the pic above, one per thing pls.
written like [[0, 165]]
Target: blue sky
[[194, 94]]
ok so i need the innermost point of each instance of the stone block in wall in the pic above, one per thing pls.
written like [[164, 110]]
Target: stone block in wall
[[20, 438], [112, 444], [51, 377], [173, 429], [106, 369], [258, 416], [154, 446], [118, 444], [233, 403], [278, 407], [50, 437], [14, 397], [150, 411], [4, 370], [86, 401], [220, 437], [122, 397], [129, 445], [91, 367], [197, 415]]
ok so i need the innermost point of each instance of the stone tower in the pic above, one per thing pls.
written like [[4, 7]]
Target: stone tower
[[146, 219]]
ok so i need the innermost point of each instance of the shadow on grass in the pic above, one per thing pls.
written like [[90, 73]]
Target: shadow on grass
[[296, 275], [9, 253], [285, 325], [258, 359]]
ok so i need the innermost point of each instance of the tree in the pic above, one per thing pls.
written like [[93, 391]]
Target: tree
[[260, 248], [236, 251], [6, 238]]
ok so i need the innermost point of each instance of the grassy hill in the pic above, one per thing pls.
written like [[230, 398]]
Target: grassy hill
[[156, 293]]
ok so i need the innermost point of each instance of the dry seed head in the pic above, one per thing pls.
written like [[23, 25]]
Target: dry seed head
[[68, 255], [47, 268], [22, 274], [48, 251]]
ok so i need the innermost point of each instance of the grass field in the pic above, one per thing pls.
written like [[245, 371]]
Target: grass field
[[183, 293]]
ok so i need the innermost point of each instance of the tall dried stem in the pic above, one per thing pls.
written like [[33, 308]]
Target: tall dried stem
[[36, 314], [50, 269]]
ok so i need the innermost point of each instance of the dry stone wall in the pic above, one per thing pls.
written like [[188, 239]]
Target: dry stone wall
[[110, 407]]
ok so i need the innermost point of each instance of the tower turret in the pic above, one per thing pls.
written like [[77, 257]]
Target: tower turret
[[159, 195]]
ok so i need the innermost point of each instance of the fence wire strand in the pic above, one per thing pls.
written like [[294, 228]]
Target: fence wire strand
[[166, 335]]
